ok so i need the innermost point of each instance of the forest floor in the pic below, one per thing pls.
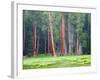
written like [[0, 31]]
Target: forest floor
[[44, 61]]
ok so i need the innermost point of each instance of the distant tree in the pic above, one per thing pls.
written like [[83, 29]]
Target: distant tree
[[34, 39], [77, 20], [70, 35]]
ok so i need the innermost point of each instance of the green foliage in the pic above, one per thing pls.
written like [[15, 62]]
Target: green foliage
[[79, 22]]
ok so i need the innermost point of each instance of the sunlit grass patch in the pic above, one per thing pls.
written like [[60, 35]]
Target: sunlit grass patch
[[45, 61]]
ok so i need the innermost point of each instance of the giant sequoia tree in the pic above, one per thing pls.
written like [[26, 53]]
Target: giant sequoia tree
[[51, 34], [62, 35]]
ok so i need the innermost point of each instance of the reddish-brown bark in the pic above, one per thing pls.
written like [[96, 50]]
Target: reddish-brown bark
[[62, 35], [48, 40], [51, 40]]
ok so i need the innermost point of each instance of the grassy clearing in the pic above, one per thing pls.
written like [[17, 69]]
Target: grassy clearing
[[44, 61]]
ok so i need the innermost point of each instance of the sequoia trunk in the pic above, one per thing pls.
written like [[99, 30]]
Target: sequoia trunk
[[51, 35], [62, 35]]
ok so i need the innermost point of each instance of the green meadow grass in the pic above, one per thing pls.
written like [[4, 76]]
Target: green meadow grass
[[44, 61]]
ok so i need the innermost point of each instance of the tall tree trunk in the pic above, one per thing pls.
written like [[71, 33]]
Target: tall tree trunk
[[69, 42], [34, 39], [70, 38], [62, 35], [51, 35], [77, 44], [66, 36], [38, 40]]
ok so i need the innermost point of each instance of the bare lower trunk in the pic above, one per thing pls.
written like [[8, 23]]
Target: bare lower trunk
[[77, 44], [34, 39], [49, 50], [62, 36], [70, 37], [65, 48], [51, 35], [80, 49], [69, 42]]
